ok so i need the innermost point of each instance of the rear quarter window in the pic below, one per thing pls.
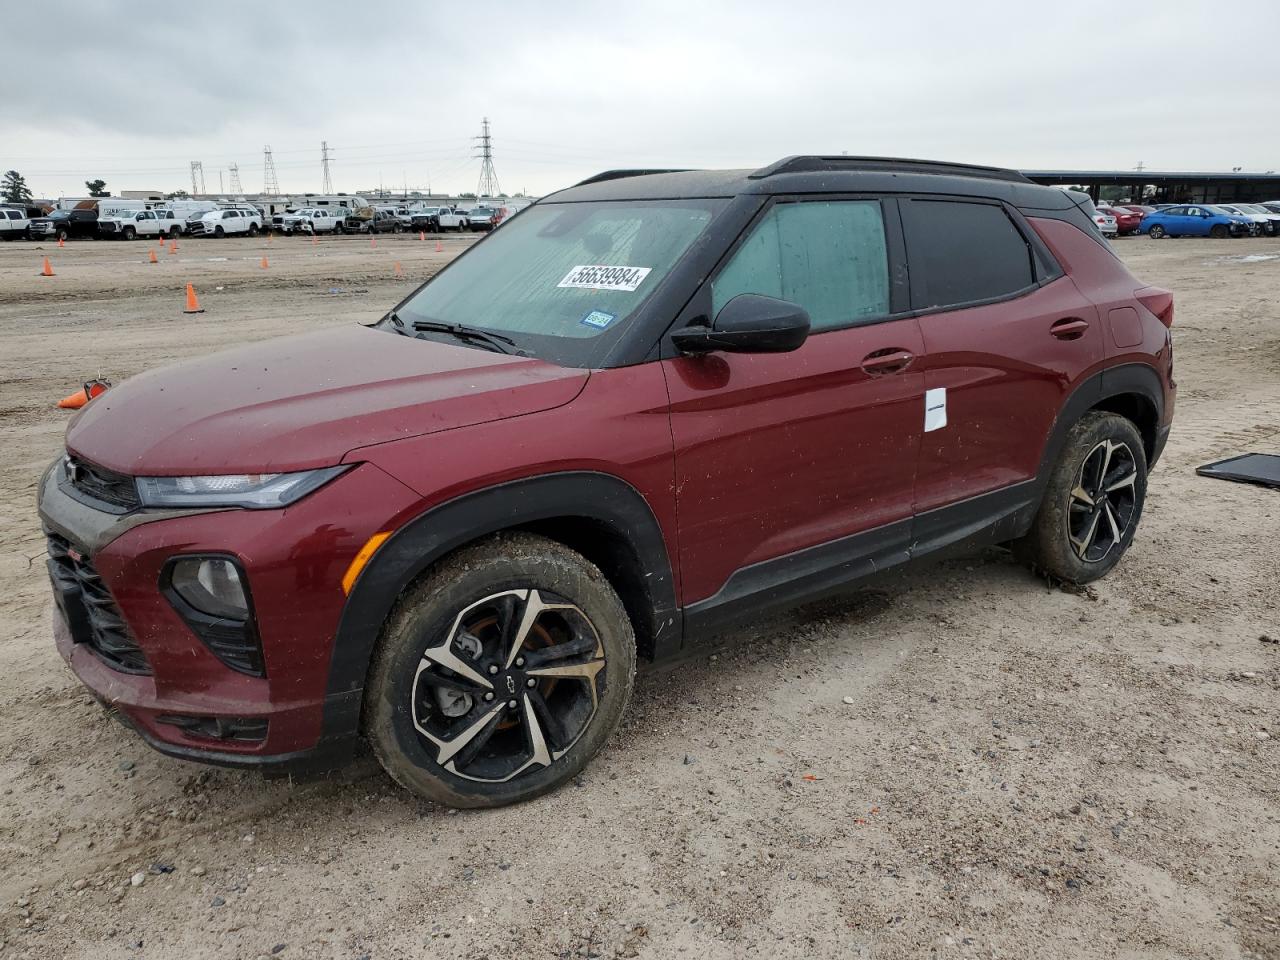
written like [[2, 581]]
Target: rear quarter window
[[961, 252]]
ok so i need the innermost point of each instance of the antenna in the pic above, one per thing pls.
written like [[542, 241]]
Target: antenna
[[270, 185], [235, 179], [327, 187], [488, 178], [197, 177]]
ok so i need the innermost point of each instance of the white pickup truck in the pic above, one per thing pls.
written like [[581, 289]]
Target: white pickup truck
[[312, 220], [220, 223], [126, 225], [14, 223]]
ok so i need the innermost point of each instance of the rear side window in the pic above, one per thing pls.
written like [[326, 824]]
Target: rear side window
[[964, 252], [828, 257]]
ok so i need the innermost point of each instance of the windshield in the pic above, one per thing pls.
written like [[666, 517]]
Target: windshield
[[564, 271]]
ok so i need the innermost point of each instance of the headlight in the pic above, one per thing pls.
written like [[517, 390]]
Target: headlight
[[212, 585], [257, 491]]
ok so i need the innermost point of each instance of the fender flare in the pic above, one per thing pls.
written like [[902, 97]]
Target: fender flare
[[584, 495], [1128, 378]]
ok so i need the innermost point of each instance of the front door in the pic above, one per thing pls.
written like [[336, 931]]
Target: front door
[[779, 453]]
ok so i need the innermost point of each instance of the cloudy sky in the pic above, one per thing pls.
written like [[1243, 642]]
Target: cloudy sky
[[132, 91]]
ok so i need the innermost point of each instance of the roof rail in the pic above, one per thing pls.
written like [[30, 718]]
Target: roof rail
[[819, 164], [623, 174]]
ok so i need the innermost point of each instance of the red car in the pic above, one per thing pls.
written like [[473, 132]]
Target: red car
[[652, 407], [1128, 219]]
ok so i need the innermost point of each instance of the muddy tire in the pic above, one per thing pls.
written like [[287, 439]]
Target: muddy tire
[[499, 674], [1092, 503]]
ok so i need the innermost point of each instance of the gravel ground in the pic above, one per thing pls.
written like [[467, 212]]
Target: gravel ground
[[958, 761]]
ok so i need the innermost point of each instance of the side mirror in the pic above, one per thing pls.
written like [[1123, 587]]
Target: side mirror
[[749, 323]]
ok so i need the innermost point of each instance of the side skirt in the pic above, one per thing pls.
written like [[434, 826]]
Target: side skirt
[[829, 568]]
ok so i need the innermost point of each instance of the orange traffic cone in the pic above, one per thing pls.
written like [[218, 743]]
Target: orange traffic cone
[[422, 234], [173, 247], [268, 238], [61, 243], [373, 241], [439, 247], [193, 305], [153, 256], [264, 263], [313, 240], [74, 401], [399, 271], [47, 270]]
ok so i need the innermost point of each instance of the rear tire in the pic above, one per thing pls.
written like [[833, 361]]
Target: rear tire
[[1157, 232], [1092, 502], [253, 229], [472, 611]]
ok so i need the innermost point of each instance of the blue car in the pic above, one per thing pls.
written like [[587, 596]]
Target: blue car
[[1193, 221]]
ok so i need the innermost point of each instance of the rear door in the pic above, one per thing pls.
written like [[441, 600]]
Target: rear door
[[1007, 337], [776, 453]]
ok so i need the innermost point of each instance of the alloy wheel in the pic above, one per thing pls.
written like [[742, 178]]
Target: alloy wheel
[[510, 688], [1103, 501]]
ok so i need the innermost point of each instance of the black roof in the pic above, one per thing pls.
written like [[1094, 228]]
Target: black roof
[[817, 174]]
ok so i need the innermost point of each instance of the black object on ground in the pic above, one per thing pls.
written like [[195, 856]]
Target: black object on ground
[[1259, 468]]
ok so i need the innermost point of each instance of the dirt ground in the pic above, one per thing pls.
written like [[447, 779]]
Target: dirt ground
[[958, 761]]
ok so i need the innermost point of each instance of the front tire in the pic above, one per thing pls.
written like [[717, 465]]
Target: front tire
[[1218, 231], [1092, 503], [500, 674], [219, 232], [128, 233]]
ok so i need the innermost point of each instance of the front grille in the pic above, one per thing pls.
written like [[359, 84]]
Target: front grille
[[107, 227], [91, 611], [100, 485]]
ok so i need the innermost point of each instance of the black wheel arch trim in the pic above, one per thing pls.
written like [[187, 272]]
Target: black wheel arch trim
[[615, 508]]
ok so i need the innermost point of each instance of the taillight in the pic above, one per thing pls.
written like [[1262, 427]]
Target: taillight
[[1159, 302]]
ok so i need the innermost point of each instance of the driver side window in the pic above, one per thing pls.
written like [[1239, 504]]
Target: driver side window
[[829, 257]]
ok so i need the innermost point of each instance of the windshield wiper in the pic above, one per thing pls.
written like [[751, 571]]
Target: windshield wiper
[[492, 340]]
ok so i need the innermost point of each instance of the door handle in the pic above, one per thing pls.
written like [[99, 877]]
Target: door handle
[[1069, 328], [886, 361]]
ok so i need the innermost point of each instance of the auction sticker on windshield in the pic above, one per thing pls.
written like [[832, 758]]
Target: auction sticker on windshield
[[598, 277]]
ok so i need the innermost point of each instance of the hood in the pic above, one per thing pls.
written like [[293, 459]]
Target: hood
[[305, 401]]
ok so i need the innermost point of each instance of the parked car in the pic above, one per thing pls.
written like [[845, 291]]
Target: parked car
[[127, 225], [1272, 205], [1127, 221], [369, 220], [14, 223], [65, 224], [454, 532], [1195, 220], [1265, 223], [312, 220], [1106, 223], [481, 218], [221, 223]]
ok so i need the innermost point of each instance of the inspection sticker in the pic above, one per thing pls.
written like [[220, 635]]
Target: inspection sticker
[[598, 277], [598, 319]]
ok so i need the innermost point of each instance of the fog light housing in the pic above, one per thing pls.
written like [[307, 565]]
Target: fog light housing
[[212, 585], [211, 594]]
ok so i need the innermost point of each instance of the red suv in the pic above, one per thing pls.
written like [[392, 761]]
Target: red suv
[[652, 406]]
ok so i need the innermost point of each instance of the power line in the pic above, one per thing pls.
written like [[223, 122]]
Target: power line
[[488, 178], [324, 162], [270, 184]]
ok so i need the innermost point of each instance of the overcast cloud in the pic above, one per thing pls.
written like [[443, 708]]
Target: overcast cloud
[[133, 91]]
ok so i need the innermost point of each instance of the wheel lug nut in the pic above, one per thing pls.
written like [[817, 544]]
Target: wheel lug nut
[[531, 682], [519, 661], [512, 704], [493, 668], [489, 695]]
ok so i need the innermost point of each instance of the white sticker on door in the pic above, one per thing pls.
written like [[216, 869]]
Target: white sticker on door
[[935, 409], [597, 277]]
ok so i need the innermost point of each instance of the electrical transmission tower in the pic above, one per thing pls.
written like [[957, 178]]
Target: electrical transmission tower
[[270, 185], [197, 177], [235, 179], [488, 178], [327, 186]]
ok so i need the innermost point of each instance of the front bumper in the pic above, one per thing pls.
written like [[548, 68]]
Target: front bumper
[[293, 559]]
